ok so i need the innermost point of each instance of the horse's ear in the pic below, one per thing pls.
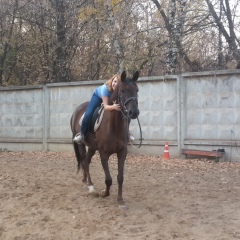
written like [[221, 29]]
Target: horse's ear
[[123, 76], [135, 76]]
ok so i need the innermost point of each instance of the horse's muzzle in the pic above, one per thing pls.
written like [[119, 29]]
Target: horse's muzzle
[[133, 114]]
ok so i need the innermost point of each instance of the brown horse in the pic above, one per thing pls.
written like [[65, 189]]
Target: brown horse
[[111, 137]]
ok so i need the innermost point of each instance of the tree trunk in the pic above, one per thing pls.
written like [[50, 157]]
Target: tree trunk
[[172, 47], [220, 43], [7, 40], [61, 70], [116, 41]]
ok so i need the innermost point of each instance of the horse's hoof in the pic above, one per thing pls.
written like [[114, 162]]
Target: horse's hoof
[[123, 207], [103, 194], [93, 194]]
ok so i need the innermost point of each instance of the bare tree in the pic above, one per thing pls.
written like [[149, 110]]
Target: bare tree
[[226, 26], [7, 46], [175, 23], [67, 32]]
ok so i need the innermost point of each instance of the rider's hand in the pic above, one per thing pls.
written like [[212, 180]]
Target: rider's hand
[[116, 106]]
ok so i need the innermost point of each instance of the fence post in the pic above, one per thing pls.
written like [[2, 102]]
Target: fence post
[[181, 91], [46, 115]]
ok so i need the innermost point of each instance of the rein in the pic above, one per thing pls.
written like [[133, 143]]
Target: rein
[[140, 129]]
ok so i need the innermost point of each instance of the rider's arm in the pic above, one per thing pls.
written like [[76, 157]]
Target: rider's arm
[[108, 107]]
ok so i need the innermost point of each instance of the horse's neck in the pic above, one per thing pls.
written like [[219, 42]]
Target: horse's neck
[[116, 121]]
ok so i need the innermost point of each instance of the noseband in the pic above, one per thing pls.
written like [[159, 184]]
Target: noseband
[[123, 104]]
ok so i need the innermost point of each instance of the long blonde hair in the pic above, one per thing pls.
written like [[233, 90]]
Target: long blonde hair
[[109, 81]]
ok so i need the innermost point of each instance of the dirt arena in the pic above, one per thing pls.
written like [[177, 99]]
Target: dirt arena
[[42, 197]]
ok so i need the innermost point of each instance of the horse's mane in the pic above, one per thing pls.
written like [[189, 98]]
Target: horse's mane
[[114, 96]]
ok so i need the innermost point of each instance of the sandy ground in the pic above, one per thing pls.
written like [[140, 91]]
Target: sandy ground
[[42, 197]]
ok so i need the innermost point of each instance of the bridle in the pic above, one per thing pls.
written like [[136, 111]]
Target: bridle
[[123, 104], [124, 112]]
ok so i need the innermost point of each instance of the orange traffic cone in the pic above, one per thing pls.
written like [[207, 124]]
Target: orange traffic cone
[[166, 152]]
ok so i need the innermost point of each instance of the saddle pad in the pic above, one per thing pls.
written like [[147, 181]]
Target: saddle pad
[[80, 121], [98, 118]]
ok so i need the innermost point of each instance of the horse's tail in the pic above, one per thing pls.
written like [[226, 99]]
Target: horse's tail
[[78, 156], [76, 147], [79, 149]]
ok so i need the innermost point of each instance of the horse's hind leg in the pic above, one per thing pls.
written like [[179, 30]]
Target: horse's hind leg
[[108, 178], [89, 183], [84, 160]]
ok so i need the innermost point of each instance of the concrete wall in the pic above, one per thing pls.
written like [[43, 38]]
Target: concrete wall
[[211, 112], [192, 110]]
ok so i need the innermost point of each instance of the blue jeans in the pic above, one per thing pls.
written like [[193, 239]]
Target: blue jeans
[[87, 119]]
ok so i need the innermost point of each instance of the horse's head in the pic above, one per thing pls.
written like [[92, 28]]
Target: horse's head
[[128, 95]]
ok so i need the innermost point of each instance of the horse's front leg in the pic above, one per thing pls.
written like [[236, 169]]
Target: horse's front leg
[[108, 178], [121, 160]]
